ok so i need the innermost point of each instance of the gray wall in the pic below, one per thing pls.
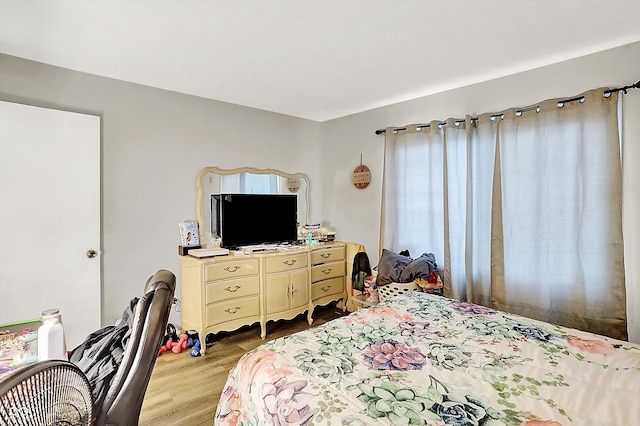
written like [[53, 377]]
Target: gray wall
[[153, 144], [155, 141], [356, 213]]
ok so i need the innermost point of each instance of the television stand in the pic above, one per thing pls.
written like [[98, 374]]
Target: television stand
[[225, 293]]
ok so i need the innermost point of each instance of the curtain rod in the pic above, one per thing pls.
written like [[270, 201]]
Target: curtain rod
[[519, 112]]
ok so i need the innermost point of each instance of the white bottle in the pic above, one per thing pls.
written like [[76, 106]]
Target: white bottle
[[51, 342]]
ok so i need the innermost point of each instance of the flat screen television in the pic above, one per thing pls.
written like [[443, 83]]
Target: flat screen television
[[250, 219]]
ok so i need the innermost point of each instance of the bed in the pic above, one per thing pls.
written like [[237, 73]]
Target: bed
[[423, 359]]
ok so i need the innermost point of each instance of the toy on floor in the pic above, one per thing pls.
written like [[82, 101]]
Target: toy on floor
[[179, 346], [195, 350], [194, 343], [175, 344], [169, 338], [171, 335]]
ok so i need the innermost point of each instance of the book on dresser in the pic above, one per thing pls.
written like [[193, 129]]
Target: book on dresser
[[208, 252]]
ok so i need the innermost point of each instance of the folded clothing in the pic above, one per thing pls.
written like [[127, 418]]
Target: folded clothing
[[394, 267]]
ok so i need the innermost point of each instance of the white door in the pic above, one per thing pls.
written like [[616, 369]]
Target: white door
[[50, 217]]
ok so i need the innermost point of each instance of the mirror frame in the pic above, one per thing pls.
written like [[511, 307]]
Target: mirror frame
[[217, 170]]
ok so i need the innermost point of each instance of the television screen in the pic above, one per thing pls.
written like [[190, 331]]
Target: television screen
[[249, 219]]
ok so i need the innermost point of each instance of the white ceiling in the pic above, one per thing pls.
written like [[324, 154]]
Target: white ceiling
[[314, 59]]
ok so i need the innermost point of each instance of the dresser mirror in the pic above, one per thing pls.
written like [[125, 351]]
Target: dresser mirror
[[246, 180]]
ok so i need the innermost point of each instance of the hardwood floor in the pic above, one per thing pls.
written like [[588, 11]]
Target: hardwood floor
[[184, 390]]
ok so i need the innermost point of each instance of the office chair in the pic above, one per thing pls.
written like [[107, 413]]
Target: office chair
[[32, 389]]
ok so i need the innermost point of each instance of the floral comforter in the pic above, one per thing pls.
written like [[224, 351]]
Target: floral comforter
[[422, 359]]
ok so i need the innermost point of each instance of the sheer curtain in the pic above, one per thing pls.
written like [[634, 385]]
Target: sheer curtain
[[521, 209]]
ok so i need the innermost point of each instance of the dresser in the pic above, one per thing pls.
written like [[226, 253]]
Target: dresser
[[219, 293], [328, 277], [286, 286], [224, 293]]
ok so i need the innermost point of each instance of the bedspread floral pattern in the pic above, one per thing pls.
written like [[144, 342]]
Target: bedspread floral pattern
[[421, 359]]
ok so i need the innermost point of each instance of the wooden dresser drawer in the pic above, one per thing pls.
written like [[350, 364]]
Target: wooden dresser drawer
[[235, 309], [231, 269], [229, 289], [285, 263], [327, 270], [327, 287], [327, 255]]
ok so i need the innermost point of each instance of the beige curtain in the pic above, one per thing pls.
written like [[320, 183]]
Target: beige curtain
[[522, 209]]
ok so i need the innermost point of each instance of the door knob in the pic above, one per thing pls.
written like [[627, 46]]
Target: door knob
[[91, 254]]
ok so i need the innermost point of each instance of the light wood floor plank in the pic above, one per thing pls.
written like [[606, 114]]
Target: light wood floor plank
[[184, 390]]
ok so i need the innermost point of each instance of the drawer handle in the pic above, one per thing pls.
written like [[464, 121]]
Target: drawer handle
[[325, 288], [233, 289], [325, 255], [289, 262], [232, 310], [327, 271], [232, 268]]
